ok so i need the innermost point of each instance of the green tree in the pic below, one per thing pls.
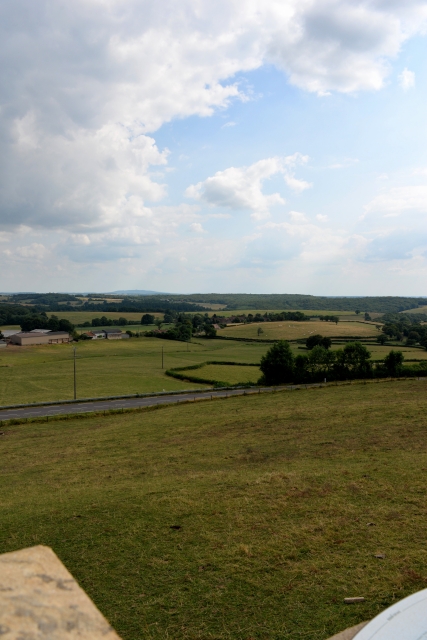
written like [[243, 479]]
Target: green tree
[[317, 339], [320, 361], [353, 361], [313, 341], [53, 323], [66, 325], [393, 363], [210, 331], [260, 331], [147, 318], [277, 365]]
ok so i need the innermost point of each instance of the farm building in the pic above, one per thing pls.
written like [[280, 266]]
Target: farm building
[[7, 333], [113, 334], [24, 338], [59, 337]]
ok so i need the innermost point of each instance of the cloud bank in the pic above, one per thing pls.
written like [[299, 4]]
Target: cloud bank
[[86, 85]]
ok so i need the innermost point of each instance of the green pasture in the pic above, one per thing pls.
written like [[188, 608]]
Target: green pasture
[[252, 517], [114, 367], [420, 309], [287, 330], [108, 367], [232, 375]]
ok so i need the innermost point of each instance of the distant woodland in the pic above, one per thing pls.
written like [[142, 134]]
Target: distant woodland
[[21, 304]]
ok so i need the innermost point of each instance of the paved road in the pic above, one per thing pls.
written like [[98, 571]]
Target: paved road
[[129, 403], [125, 403]]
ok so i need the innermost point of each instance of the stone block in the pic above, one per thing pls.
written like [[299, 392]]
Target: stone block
[[40, 600]]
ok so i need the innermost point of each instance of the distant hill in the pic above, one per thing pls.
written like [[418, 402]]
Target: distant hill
[[139, 292], [284, 302]]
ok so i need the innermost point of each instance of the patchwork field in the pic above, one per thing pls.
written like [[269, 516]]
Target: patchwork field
[[295, 330], [233, 519], [108, 367], [114, 367]]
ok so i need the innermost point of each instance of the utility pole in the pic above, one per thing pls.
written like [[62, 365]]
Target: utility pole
[[75, 385], [162, 358]]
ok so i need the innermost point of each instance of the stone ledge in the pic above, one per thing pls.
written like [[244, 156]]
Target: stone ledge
[[349, 633], [40, 600]]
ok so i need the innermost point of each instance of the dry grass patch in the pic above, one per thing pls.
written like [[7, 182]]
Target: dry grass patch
[[294, 330]]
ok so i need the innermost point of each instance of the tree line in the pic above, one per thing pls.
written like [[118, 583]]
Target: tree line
[[280, 366]]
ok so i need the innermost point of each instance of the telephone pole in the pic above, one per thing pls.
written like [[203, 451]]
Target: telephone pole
[[75, 384]]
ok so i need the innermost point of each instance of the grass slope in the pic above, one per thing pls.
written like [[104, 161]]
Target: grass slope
[[272, 496]]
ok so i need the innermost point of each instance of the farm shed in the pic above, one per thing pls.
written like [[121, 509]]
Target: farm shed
[[59, 337], [31, 337], [28, 338], [113, 334]]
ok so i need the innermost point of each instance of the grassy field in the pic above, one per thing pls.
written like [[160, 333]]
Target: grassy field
[[294, 330], [114, 367], [237, 519], [422, 309], [230, 374], [108, 367]]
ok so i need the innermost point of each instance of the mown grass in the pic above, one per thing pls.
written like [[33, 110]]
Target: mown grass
[[286, 330], [244, 518]]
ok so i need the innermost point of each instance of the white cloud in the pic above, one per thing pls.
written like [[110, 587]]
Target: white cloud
[[242, 187], [33, 252], [343, 164], [321, 218], [407, 79], [197, 227], [86, 84], [297, 216], [228, 124], [399, 200]]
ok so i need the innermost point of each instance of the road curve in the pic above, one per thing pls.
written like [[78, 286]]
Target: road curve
[[129, 403]]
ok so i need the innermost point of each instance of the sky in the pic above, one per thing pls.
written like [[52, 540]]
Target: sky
[[266, 146]]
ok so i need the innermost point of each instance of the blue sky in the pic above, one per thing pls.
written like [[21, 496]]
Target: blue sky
[[277, 147]]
